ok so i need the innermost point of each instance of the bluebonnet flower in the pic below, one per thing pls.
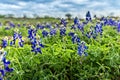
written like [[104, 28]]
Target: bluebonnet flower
[[15, 37], [111, 22], [11, 24], [18, 25], [4, 42], [98, 28], [63, 21], [74, 27], [81, 49], [85, 22], [48, 25], [75, 39], [63, 31], [33, 44], [39, 26], [90, 33], [76, 20], [114, 23], [102, 18], [38, 49], [81, 28], [71, 34], [36, 46], [31, 33], [7, 27], [52, 32], [57, 25], [6, 64], [105, 21], [88, 16], [44, 33], [20, 42], [41, 45], [118, 27], [5, 68]]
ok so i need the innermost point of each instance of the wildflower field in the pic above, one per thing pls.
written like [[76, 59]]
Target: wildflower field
[[60, 49]]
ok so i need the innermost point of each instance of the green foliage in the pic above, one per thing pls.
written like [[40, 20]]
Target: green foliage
[[60, 60], [2, 16]]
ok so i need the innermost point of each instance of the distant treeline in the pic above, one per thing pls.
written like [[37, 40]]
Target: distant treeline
[[35, 16], [68, 16]]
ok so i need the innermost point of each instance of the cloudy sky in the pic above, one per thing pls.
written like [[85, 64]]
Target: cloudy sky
[[58, 8]]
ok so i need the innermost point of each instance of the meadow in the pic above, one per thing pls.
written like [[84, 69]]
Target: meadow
[[60, 49]]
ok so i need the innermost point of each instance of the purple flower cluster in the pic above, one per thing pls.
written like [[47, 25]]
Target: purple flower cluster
[[5, 67], [78, 25], [35, 44], [4, 43], [52, 32], [18, 25], [76, 20], [118, 27], [98, 28], [108, 21], [31, 33], [91, 33], [81, 45], [63, 31], [39, 26], [81, 27], [75, 38], [11, 24], [48, 25], [45, 33], [88, 16], [15, 37], [63, 21], [81, 49], [74, 26], [71, 34]]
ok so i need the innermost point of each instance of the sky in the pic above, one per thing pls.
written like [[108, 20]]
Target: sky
[[58, 8]]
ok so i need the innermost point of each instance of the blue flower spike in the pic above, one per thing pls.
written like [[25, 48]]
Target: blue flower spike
[[5, 68], [17, 36], [5, 42], [88, 16], [81, 49]]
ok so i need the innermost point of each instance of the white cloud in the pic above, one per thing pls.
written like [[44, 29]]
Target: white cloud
[[22, 3], [77, 1], [96, 4], [9, 6], [55, 8]]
